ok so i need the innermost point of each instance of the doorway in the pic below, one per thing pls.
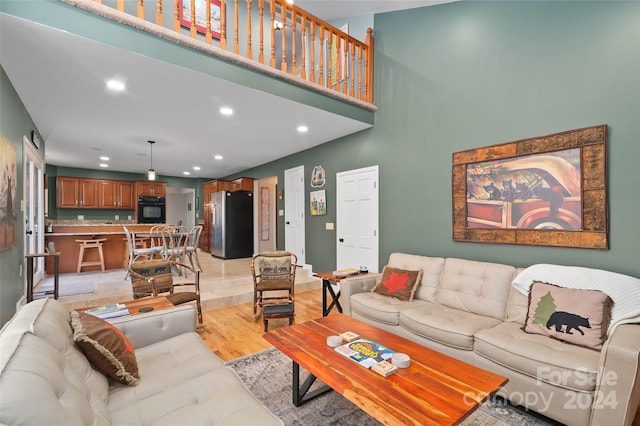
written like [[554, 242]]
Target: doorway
[[357, 219], [294, 231], [180, 204], [33, 178]]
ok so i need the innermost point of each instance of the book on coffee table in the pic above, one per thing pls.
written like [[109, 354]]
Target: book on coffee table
[[365, 352], [109, 311]]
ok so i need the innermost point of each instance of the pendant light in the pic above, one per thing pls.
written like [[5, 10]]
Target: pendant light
[[151, 174]]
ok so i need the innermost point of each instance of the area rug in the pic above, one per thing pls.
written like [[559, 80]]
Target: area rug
[[65, 289], [267, 375]]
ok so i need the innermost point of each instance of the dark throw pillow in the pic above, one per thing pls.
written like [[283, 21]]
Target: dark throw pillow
[[105, 347], [398, 283], [576, 316]]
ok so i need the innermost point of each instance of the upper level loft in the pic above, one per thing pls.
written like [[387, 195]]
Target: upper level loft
[[302, 67]]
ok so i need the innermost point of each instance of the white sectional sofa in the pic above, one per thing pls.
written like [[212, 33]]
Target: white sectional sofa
[[46, 380], [470, 311]]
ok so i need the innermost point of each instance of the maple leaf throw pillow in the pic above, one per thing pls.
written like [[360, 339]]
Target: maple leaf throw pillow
[[398, 283]]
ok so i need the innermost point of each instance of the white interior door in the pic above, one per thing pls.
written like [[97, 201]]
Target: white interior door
[[357, 219], [294, 231], [34, 207]]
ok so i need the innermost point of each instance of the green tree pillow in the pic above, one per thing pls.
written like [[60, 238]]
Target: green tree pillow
[[572, 315]]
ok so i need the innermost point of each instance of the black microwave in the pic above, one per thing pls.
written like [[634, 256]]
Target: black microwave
[[151, 209]]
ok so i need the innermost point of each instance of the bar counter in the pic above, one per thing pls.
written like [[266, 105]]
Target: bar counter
[[64, 237]]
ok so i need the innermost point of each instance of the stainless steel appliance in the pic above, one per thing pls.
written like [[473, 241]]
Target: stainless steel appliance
[[231, 224], [151, 209]]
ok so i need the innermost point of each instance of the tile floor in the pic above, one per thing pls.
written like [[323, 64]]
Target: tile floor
[[222, 283]]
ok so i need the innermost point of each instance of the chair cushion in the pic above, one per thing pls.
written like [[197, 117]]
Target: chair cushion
[[180, 297], [451, 327], [544, 359], [106, 347], [572, 315], [161, 272], [398, 283]]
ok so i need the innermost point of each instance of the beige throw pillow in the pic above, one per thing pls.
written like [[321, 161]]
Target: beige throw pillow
[[572, 315]]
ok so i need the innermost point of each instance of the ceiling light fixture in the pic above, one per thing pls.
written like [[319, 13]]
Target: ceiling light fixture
[[103, 165], [115, 85], [218, 157], [303, 129], [103, 158], [277, 25], [196, 167], [151, 174], [226, 111], [186, 173]]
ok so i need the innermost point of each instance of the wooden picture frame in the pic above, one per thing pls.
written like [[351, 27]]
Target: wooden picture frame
[[508, 225], [184, 12]]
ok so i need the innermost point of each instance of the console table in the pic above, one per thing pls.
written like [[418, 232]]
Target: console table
[[56, 282]]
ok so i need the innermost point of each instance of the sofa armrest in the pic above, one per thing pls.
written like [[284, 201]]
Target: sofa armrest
[[353, 285], [618, 388], [156, 326]]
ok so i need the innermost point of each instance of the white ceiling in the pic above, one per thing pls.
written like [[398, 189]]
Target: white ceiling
[[61, 79]]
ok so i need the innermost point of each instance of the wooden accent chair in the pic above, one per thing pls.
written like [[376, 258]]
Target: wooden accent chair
[[155, 277], [273, 271]]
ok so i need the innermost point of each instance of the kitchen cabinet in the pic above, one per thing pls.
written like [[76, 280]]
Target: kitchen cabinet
[[241, 184], [114, 194], [158, 189], [77, 193], [85, 193]]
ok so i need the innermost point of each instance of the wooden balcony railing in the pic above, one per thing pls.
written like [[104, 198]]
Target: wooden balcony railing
[[288, 39]]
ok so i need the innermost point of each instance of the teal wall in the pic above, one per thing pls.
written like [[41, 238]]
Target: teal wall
[[470, 74], [15, 123]]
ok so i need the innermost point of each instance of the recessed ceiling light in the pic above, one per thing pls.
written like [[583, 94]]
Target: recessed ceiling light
[[115, 85], [104, 165], [290, 1], [226, 111], [196, 167], [303, 129], [103, 158], [186, 173], [218, 157]]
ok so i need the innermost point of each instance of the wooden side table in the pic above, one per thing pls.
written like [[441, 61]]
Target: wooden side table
[[56, 281], [327, 279]]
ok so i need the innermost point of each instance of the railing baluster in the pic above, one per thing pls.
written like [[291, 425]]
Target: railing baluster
[[345, 66], [303, 59], [272, 8], [249, 49], [261, 13], [360, 73], [321, 39], [120, 5], [159, 17], [294, 69], [236, 24], [312, 66], [176, 15], [368, 82], [223, 24], [353, 69], [283, 14], [207, 36]]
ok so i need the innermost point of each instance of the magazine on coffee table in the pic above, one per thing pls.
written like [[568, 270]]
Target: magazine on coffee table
[[365, 352]]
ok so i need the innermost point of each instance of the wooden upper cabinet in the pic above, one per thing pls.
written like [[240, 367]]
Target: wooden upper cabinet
[[80, 193], [125, 192], [89, 190], [241, 184], [107, 195], [67, 192], [158, 189]]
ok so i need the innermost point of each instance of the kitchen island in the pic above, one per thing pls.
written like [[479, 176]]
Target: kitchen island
[[64, 237]]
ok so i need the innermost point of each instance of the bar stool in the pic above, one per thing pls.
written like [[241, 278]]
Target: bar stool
[[90, 244]]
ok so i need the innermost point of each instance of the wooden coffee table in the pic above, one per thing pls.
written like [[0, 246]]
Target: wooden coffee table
[[435, 390]]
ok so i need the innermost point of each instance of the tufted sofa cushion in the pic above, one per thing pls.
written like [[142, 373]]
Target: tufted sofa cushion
[[478, 287], [38, 359], [431, 268]]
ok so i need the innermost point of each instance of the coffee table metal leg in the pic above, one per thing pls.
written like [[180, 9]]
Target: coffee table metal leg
[[301, 394]]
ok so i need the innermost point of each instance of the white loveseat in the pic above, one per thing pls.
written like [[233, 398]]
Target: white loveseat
[[46, 380], [469, 310]]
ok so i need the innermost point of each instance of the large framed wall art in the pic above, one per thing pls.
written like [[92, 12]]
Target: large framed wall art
[[547, 190]]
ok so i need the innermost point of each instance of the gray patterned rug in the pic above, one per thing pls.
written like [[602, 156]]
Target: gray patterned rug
[[267, 374]]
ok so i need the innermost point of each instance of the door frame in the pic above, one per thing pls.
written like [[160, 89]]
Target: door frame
[[375, 216], [30, 153], [300, 207]]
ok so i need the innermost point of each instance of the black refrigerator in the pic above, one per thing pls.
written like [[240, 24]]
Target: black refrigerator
[[231, 224]]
